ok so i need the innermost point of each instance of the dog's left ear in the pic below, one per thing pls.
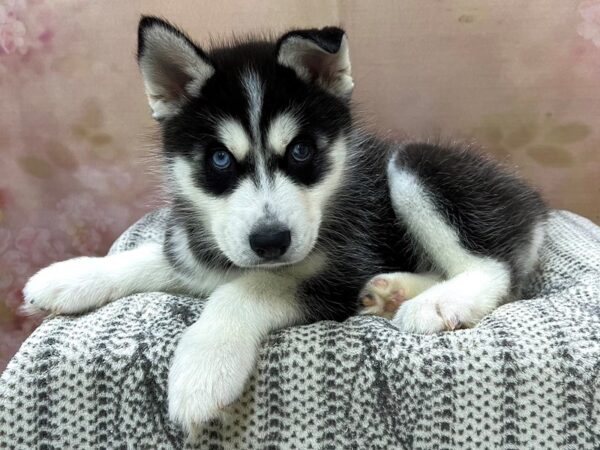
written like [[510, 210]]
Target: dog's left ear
[[318, 56], [174, 68]]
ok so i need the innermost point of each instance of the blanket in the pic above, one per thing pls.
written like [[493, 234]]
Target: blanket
[[525, 377]]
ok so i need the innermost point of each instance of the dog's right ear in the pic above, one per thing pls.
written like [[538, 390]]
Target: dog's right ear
[[173, 67], [320, 57]]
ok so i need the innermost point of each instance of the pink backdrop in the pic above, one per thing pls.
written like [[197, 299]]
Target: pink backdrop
[[521, 78]]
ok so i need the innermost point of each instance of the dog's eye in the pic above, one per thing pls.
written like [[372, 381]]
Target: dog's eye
[[300, 152], [221, 159]]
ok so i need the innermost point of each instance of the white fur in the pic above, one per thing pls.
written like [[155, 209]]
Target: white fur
[[85, 283], [164, 48], [282, 130], [263, 182], [318, 195], [530, 256], [217, 354], [231, 219], [460, 301], [476, 285], [182, 180], [254, 88], [232, 134], [197, 277], [394, 287]]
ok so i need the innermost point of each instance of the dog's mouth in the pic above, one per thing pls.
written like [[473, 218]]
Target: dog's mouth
[[268, 264], [272, 264]]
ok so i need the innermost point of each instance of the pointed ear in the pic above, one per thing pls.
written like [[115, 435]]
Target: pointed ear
[[173, 67], [318, 56]]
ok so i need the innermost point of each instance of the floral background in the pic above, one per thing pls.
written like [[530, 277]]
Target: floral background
[[519, 77]]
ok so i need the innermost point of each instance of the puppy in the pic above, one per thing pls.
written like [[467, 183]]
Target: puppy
[[283, 212]]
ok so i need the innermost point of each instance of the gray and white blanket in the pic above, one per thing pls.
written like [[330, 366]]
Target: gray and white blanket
[[526, 377]]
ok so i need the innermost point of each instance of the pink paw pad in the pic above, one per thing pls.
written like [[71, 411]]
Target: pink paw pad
[[368, 300], [393, 301], [380, 282]]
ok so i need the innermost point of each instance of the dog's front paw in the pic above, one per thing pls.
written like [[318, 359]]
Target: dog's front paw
[[207, 375], [433, 311], [424, 316], [68, 287]]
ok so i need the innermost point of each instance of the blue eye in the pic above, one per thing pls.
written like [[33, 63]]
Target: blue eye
[[301, 151], [221, 159]]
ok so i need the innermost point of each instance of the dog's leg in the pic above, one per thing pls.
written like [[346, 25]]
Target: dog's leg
[[86, 283], [217, 354], [473, 222], [384, 293], [475, 284]]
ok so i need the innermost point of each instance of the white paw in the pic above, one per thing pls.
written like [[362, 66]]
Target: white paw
[[426, 316], [208, 373], [383, 294], [68, 287], [460, 302]]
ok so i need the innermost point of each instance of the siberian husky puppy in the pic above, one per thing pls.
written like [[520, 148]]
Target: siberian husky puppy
[[283, 212]]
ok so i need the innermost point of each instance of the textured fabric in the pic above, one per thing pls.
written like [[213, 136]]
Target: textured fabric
[[526, 377], [519, 77]]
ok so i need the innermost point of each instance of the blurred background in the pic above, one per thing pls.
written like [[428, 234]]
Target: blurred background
[[519, 78]]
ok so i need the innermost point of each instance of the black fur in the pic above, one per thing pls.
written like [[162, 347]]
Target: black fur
[[192, 132], [492, 210]]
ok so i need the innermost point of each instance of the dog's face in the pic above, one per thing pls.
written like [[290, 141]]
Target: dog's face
[[254, 134]]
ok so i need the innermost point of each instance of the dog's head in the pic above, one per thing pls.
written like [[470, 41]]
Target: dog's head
[[255, 134]]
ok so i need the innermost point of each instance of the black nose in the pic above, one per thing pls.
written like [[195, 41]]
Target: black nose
[[270, 242]]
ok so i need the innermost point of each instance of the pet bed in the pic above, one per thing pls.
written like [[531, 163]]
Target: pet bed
[[526, 377]]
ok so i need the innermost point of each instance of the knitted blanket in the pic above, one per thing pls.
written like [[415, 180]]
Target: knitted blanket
[[526, 377]]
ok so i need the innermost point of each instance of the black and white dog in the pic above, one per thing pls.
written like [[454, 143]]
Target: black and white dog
[[284, 213]]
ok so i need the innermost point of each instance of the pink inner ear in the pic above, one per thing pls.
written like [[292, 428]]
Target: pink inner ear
[[320, 65], [174, 81]]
